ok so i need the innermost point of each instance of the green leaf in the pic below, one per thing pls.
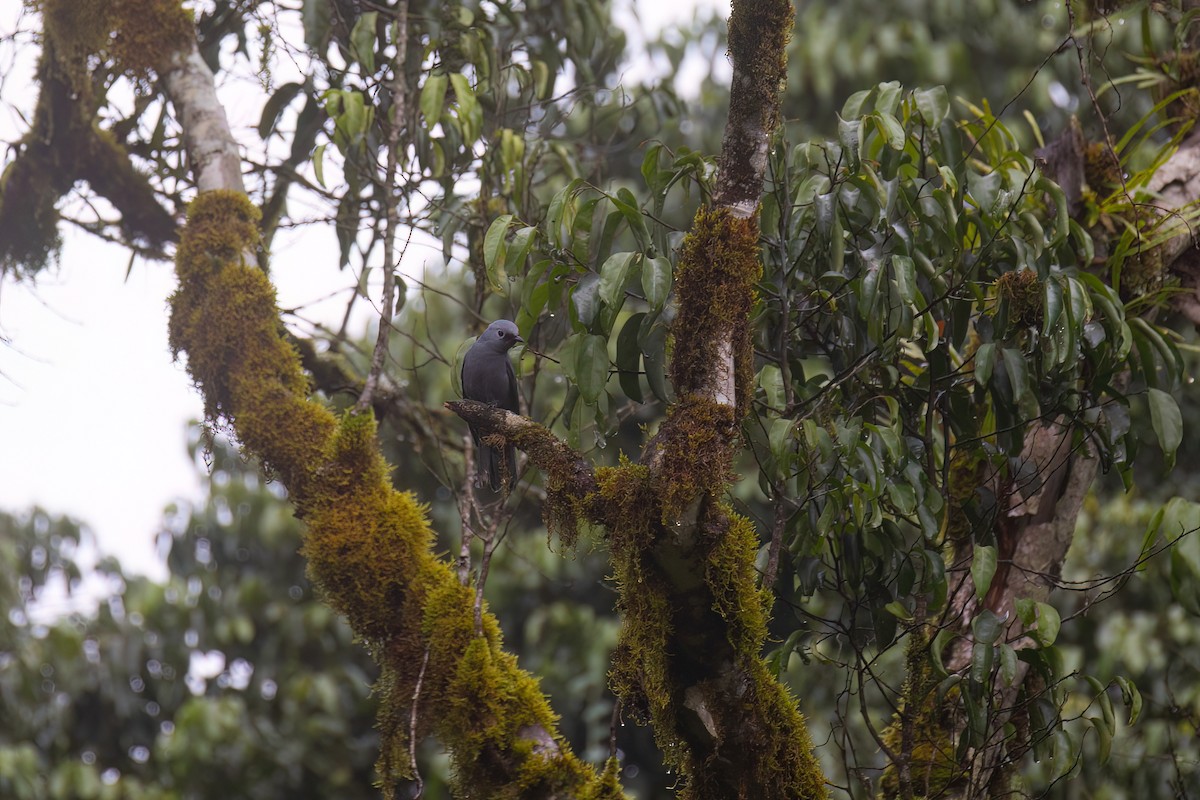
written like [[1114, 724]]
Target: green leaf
[[983, 567], [456, 371], [319, 164], [940, 640], [933, 105], [1048, 624], [983, 657], [629, 358], [362, 41], [556, 212], [887, 97], [897, 610], [433, 98], [985, 361], [627, 204], [987, 627], [1052, 300], [470, 116], [770, 379], [613, 275], [1106, 707], [892, 129], [1167, 421], [853, 107], [495, 249], [518, 251], [1104, 737], [275, 106], [656, 280], [346, 227], [1008, 664], [1131, 697], [905, 273], [653, 339], [585, 300], [315, 16], [591, 367], [781, 438]]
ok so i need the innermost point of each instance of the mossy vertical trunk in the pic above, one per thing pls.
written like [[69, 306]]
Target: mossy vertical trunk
[[694, 622]]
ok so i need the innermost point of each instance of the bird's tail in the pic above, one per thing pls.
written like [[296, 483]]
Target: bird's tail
[[490, 469]]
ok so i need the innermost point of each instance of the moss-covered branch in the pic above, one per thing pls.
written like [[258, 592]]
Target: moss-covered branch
[[66, 144], [369, 547]]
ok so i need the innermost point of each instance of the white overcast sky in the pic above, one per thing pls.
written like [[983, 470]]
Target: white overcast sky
[[93, 412]]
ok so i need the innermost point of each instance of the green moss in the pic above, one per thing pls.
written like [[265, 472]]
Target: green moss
[[758, 35], [148, 33], [138, 35], [715, 286], [969, 470], [733, 580], [1022, 290], [696, 441], [755, 714], [224, 315]]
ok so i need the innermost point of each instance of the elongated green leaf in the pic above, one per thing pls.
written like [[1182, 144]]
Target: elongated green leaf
[[275, 106], [585, 300], [518, 251], [433, 98], [985, 361], [591, 367], [613, 275], [362, 41], [1008, 664], [629, 358], [983, 567], [1104, 736], [653, 339], [495, 248], [1048, 625], [656, 280], [318, 160], [1167, 421]]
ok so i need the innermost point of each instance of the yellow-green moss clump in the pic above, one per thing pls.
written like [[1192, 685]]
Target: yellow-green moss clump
[[715, 282], [138, 35], [368, 546], [148, 33], [1022, 291], [224, 315]]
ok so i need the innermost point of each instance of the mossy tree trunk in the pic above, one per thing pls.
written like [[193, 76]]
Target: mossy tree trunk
[[694, 621]]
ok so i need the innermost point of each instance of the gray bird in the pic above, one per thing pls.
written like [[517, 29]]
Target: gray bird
[[487, 376]]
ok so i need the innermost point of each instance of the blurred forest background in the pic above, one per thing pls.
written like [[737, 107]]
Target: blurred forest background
[[231, 673]]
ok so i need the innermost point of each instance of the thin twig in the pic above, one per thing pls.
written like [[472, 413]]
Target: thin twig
[[391, 202], [464, 509], [412, 727]]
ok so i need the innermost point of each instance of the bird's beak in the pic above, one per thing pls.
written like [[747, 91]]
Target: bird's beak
[[519, 339]]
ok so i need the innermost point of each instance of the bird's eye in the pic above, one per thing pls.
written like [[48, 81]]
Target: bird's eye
[[502, 334]]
